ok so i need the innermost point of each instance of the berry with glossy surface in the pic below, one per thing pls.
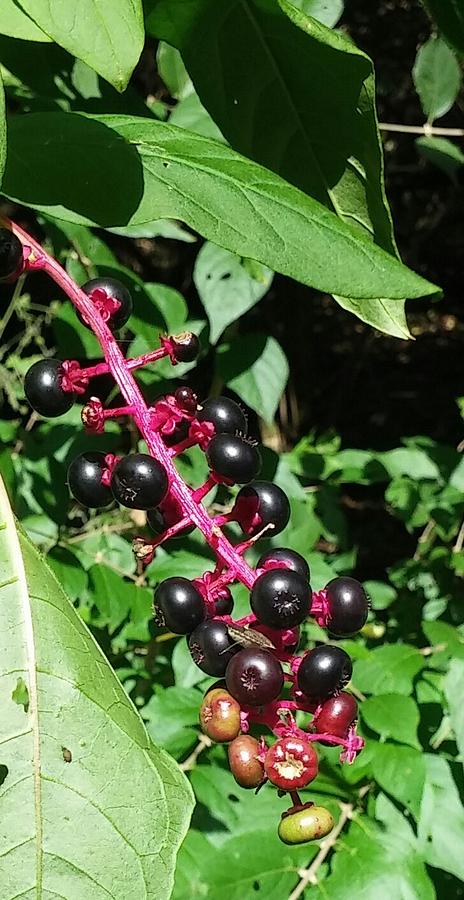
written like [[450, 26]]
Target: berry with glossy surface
[[112, 289], [232, 458], [179, 434], [179, 605], [225, 414], [323, 672], [220, 716], [280, 598], [224, 602], [254, 677], [310, 823], [348, 606], [139, 481], [186, 346], [186, 399], [85, 480], [244, 761], [291, 763], [211, 648], [11, 254], [282, 558], [43, 390], [261, 504], [336, 715], [160, 520]]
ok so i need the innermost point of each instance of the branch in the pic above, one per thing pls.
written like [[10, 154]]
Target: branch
[[428, 130], [309, 876], [203, 743]]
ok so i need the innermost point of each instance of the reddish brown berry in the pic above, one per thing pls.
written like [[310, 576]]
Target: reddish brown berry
[[291, 763], [220, 716], [244, 762]]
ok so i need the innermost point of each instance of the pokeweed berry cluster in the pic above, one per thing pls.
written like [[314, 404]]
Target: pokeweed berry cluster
[[264, 683]]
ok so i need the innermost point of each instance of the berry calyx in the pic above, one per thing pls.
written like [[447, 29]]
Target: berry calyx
[[259, 505], [211, 648], [323, 672], [282, 558], [336, 715], [348, 606], [291, 763], [310, 823], [139, 481], [244, 761], [185, 346], [225, 414], [43, 389], [254, 677], [280, 598], [220, 716], [111, 299], [11, 254], [186, 400], [85, 480], [178, 605], [232, 458]]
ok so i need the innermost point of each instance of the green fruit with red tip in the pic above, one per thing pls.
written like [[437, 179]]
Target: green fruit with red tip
[[310, 823], [220, 716], [244, 761]]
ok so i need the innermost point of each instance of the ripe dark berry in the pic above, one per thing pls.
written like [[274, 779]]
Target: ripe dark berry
[[139, 481], [104, 290], [225, 414], [336, 715], [244, 761], [11, 254], [307, 824], [43, 390], [211, 647], [220, 716], [159, 519], [224, 602], [281, 558], [179, 605], [261, 504], [254, 677], [323, 672], [186, 346], [348, 606], [291, 763], [233, 458], [186, 400], [179, 434], [85, 480], [280, 598]]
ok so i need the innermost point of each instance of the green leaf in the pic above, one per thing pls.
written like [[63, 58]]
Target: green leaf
[[454, 691], [117, 784], [437, 78], [400, 772], [449, 16], [191, 114], [256, 368], [68, 571], [441, 822], [226, 288], [15, 23], [327, 12], [172, 71], [108, 35], [382, 595], [231, 200], [442, 153], [172, 719], [388, 669], [392, 716], [274, 56], [3, 134]]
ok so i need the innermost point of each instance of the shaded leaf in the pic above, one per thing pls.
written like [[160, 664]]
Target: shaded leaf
[[441, 822], [256, 368], [442, 153], [394, 716], [449, 16], [400, 772], [454, 691], [437, 78]]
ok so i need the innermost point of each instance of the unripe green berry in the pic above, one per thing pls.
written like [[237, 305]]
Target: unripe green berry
[[307, 824], [220, 716]]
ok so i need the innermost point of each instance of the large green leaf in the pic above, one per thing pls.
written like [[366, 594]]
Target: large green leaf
[[17, 24], [454, 688], [300, 100], [3, 135], [441, 823], [392, 715], [171, 173], [388, 669], [437, 78], [449, 16], [89, 807], [106, 34]]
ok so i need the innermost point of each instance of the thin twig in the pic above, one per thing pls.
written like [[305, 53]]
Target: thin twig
[[459, 540], [203, 743], [423, 538], [426, 129]]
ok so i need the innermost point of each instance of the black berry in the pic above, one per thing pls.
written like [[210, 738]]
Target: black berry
[[323, 672], [233, 458], [159, 521], [186, 400], [254, 677], [225, 414], [348, 606], [179, 434], [224, 603], [107, 289], [84, 479], [11, 254], [281, 558], [179, 605], [186, 346], [43, 390], [261, 504], [139, 481], [211, 647], [280, 598]]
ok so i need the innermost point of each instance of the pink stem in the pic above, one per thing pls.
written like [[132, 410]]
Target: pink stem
[[104, 367], [120, 369], [204, 489]]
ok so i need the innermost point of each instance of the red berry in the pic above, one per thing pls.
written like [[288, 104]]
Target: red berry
[[291, 763], [336, 715], [220, 716], [244, 762]]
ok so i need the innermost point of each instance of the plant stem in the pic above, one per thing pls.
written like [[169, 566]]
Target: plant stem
[[428, 130], [309, 876]]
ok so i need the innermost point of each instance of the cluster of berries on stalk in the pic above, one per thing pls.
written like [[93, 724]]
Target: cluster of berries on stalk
[[263, 682]]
